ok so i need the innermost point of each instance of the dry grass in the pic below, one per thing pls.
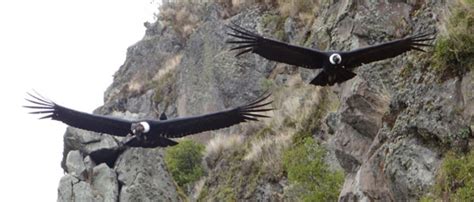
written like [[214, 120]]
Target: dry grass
[[296, 7], [220, 144], [182, 16], [170, 65], [304, 11], [267, 152]]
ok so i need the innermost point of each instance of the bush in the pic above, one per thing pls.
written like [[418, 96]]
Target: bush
[[454, 52], [307, 169], [184, 162], [455, 180]]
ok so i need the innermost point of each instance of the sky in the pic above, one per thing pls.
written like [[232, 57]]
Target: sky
[[67, 51]]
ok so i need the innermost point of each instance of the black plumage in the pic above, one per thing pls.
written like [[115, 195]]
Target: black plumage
[[150, 133], [337, 66]]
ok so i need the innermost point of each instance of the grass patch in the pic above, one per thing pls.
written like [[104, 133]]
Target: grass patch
[[274, 22], [226, 176], [184, 162], [454, 52], [165, 88], [296, 8], [313, 120], [237, 168], [182, 17], [308, 171], [455, 179]]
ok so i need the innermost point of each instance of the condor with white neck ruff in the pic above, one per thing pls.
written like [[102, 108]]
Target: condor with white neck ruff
[[337, 66], [150, 133]]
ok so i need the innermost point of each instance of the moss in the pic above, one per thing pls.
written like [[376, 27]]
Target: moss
[[184, 162], [307, 169], [454, 52]]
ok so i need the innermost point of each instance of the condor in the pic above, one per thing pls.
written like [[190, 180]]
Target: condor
[[337, 66], [149, 133]]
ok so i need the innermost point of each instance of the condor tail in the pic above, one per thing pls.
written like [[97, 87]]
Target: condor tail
[[324, 78]]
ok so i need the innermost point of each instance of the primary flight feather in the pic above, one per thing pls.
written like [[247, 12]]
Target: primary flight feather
[[337, 65]]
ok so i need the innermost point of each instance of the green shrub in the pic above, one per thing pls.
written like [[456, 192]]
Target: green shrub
[[184, 162], [455, 180], [454, 52], [307, 169]]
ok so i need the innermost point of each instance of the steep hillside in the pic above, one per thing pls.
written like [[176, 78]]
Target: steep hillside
[[380, 136]]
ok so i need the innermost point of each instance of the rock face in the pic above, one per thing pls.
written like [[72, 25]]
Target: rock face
[[142, 176], [387, 129]]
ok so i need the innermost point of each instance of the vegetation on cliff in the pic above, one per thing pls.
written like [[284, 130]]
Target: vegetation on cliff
[[454, 50], [455, 180], [184, 162], [309, 174]]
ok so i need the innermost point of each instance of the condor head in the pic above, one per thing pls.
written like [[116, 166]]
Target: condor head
[[140, 128]]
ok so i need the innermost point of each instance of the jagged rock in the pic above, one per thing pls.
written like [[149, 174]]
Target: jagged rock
[[88, 142], [363, 107], [105, 183], [82, 191], [143, 176], [144, 60], [65, 190], [75, 165], [73, 189], [102, 185], [411, 168]]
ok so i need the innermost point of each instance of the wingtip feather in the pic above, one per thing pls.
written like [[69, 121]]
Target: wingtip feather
[[243, 52]]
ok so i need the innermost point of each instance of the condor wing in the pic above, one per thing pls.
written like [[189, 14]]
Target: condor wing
[[77, 119], [383, 51], [270, 49], [173, 128]]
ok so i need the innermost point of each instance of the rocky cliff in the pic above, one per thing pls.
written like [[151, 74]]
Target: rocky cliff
[[387, 129]]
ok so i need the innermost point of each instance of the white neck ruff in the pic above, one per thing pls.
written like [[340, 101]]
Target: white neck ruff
[[146, 126]]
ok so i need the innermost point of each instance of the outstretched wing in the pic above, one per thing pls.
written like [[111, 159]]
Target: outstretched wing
[[91, 122], [173, 128], [383, 51], [275, 50]]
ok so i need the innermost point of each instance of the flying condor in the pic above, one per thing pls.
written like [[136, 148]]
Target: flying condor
[[337, 65], [150, 133]]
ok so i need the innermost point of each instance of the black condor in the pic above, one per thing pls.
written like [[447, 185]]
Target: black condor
[[149, 133], [337, 65]]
